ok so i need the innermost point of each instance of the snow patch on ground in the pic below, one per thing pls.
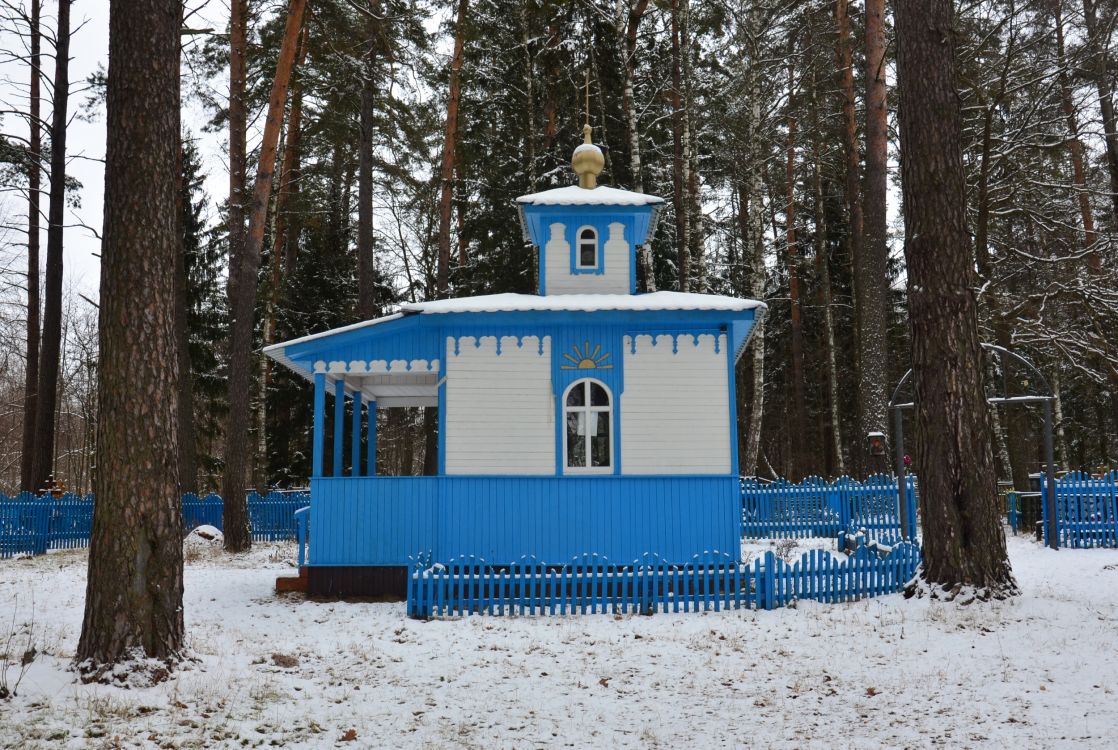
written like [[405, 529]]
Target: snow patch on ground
[[788, 550], [1036, 671], [203, 537]]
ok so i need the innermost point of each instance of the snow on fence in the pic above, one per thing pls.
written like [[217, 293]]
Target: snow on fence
[[32, 524], [815, 507], [1086, 510], [590, 584]]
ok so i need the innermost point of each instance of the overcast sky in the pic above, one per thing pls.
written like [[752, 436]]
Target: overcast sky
[[85, 140]]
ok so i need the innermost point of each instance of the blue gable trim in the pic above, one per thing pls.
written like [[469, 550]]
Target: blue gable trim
[[539, 218], [422, 336]]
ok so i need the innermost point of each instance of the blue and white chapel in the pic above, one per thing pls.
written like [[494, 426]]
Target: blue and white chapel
[[586, 419]]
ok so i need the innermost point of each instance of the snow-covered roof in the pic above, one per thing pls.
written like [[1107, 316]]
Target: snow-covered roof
[[583, 303], [277, 349], [573, 195], [531, 302]]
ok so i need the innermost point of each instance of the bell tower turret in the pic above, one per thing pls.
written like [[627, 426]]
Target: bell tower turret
[[587, 234]]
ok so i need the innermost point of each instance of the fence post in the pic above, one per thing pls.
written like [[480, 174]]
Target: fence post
[[1050, 473], [910, 506], [902, 484], [43, 507], [768, 592]]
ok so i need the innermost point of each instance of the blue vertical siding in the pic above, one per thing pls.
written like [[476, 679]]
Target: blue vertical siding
[[390, 520]]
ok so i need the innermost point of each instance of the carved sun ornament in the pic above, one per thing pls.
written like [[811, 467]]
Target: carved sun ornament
[[586, 359]]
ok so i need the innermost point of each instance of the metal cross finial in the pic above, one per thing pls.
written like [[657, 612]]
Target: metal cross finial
[[586, 128]]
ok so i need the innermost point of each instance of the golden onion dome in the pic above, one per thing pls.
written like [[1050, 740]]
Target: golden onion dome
[[588, 161]]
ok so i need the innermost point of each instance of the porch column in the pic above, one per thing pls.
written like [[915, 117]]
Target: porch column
[[339, 425], [319, 424], [371, 460], [355, 438]]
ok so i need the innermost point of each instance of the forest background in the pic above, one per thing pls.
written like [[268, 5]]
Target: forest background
[[769, 126]]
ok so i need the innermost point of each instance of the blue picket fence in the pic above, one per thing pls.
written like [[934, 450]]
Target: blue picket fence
[[32, 524], [713, 581], [816, 507], [271, 516], [1086, 510]]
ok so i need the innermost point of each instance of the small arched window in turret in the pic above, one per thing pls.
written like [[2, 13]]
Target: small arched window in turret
[[587, 248]]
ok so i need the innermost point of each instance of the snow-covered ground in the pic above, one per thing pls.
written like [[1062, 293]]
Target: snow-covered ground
[[1037, 672]]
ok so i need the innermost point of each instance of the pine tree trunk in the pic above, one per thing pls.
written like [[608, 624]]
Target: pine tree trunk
[[529, 123], [989, 307], [798, 462], [552, 83], [1094, 260], [1000, 446], [242, 299], [1076, 147], [238, 159], [450, 147], [755, 248], [679, 155], [823, 269], [238, 125], [695, 236], [695, 220], [852, 175], [366, 260], [292, 170], [430, 441], [51, 342], [133, 605], [188, 456], [872, 260], [1099, 71], [1064, 459], [34, 186], [288, 173], [964, 544], [627, 26], [1016, 423]]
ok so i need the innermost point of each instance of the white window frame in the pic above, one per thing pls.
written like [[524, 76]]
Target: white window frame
[[586, 468], [597, 249]]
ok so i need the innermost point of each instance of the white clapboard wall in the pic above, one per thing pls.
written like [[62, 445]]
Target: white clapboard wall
[[675, 412], [614, 279], [499, 408]]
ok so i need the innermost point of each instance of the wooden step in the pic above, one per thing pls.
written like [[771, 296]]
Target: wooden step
[[297, 583]]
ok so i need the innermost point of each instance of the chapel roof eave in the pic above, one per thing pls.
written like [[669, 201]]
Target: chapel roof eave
[[651, 302], [513, 302], [313, 346], [603, 195]]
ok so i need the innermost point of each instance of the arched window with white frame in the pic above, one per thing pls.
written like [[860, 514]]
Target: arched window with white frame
[[588, 428], [587, 244]]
